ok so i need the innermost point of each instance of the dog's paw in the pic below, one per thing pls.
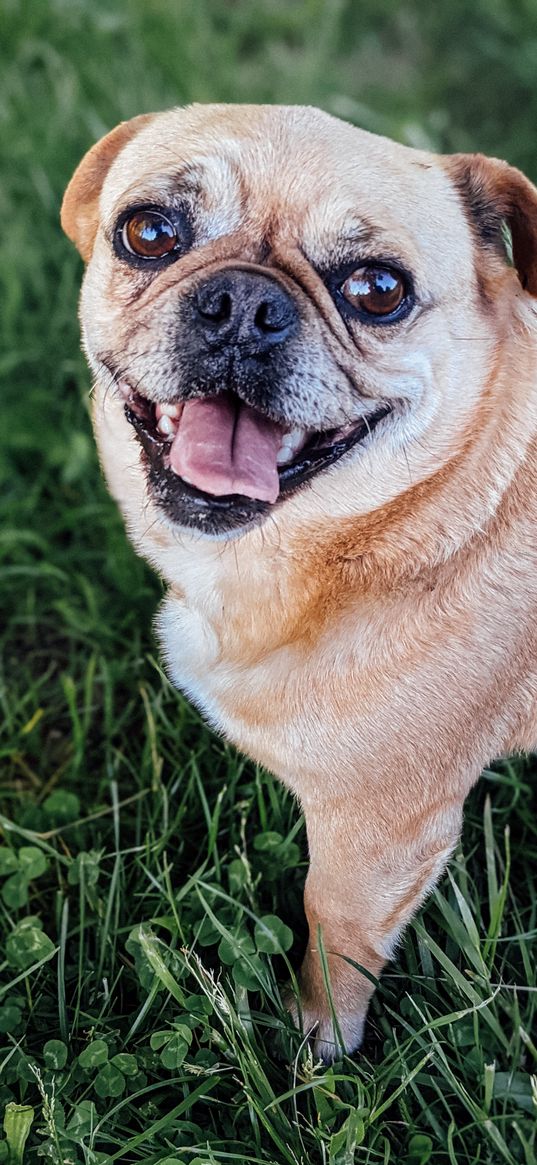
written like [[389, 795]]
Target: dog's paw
[[330, 1038]]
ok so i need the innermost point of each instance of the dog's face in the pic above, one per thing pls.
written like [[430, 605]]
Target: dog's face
[[286, 315]]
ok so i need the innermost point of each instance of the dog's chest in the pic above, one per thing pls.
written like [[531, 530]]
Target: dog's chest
[[245, 699], [289, 703]]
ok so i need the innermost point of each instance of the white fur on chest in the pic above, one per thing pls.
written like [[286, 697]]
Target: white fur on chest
[[202, 659], [275, 708], [192, 651], [218, 686]]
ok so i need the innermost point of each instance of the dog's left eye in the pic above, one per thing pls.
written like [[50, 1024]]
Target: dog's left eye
[[375, 291], [149, 234]]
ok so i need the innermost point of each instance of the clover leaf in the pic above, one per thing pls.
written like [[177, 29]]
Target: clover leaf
[[174, 1044], [94, 1055], [55, 1053], [272, 936], [32, 861], [22, 866], [234, 945], [28, 944], [8, 862], [109, 1081]]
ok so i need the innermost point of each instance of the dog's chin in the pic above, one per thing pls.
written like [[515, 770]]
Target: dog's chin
[[229, 515]]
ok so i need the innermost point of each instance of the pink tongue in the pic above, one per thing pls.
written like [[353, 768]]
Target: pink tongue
[[225, 447]]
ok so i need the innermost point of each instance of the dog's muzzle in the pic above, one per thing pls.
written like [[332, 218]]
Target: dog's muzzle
[[219, 453]]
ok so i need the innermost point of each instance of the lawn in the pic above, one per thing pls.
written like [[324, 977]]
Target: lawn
[[151, 879]]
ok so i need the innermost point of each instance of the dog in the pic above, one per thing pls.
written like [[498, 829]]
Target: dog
[[315, 364]]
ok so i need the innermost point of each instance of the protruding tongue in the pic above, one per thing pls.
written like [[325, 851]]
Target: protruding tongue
[[223, 446]]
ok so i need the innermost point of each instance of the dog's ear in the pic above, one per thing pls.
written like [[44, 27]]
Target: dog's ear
[[497, 195], [80, 207]]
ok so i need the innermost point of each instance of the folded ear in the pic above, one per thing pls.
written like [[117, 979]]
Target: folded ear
[[497, 195], [80, 207]]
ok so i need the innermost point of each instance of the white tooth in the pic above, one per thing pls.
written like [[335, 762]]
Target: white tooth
[[295, 439], [166, 426], [289, 444], [284, 455], [168, 410]]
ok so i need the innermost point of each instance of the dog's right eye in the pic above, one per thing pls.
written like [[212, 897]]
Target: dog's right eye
[[149, 234]]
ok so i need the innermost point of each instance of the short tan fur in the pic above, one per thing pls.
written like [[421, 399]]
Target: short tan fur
[[375, 642]]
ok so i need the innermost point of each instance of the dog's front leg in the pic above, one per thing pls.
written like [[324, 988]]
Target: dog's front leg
[[370, 866]]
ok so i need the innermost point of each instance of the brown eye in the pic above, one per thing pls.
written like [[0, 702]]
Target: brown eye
[[377, 291], [149, 234]]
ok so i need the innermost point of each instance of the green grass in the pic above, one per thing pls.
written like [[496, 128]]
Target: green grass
[[140, 1007]]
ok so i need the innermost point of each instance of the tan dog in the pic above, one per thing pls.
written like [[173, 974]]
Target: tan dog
[[316, 404]]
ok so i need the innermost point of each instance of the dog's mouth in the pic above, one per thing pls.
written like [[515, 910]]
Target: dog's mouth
[[217, 464]]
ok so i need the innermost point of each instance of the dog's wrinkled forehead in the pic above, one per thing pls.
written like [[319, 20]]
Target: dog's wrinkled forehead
[[297, 174]]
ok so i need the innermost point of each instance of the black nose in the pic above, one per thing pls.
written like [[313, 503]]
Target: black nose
[[244, 307]]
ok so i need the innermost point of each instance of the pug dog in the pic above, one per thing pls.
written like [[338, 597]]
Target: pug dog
[[315, 363]]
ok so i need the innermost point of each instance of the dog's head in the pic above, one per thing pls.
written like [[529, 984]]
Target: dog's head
[[287, 315]]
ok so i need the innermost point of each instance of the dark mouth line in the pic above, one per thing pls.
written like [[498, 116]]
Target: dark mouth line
[[186, 505], [319, 452], [311, 460]]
